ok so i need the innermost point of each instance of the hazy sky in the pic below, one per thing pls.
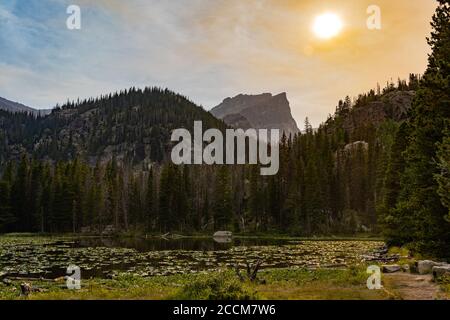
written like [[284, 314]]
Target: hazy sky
[[208, 49]]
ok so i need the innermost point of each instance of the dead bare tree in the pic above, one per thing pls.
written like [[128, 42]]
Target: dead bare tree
[[252, 272]]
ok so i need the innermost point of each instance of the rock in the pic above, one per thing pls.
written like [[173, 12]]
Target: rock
[[381, 256], [384, 250], [26, 288], [238, 121], [439, 271], [426, 266], [264, 111], [356, 145], [405, 268], [111, 275], [391, 268], [395, 106], [223, 234]]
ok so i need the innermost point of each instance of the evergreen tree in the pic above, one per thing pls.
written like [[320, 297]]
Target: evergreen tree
[[166, 210], [443, 178], [419, 208], [150, 201], [222, 199], [19, 196], [6, 216]]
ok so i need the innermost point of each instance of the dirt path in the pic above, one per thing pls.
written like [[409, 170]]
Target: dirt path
[[407, 286]]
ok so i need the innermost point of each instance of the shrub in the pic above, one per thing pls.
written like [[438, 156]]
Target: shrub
[[220, 286]]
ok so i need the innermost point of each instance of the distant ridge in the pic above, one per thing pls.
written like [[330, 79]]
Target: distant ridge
[[11, 106]]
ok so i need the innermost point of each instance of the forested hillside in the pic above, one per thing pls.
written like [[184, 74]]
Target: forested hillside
[[329, 181], [134, 126]]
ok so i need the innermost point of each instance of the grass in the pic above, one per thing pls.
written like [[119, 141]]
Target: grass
[[219, 286], [405, 255], [280, 284], [321, 284], [122, 287], [444, 283]]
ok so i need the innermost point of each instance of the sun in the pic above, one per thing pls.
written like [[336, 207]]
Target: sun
[[327, 25]]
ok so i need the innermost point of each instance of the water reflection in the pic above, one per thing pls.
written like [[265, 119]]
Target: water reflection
[[183, 244], [223, 239]]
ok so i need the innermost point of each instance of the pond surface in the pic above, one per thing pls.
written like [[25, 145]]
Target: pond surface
[[49, 257]]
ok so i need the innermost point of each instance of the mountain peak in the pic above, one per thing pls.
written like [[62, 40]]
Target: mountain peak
[[262, 111]]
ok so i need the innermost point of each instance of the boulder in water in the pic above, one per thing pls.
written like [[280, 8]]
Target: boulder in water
[[223, 234]]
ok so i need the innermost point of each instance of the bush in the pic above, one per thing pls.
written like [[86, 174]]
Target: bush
[[220, 286]]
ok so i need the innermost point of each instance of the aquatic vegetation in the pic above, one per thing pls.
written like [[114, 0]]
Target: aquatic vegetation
[[49, 257]]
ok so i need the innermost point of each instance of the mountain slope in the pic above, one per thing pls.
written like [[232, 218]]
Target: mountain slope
[[11, 106], [263, 111], [134, 126]]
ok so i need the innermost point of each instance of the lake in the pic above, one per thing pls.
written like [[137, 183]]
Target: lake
[[49, 257]]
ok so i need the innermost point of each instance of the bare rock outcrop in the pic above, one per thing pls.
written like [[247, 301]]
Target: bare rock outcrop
[[263, 111]]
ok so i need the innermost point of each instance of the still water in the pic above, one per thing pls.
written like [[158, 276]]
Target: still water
[[102, 257]]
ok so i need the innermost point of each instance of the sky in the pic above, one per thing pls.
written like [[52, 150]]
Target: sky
[[208, 50]]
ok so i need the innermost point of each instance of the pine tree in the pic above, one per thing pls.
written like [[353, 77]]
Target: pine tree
[[112, 201], [134, 201], [308, 126], [19, 196], [165, 199], [254, 198], [222, 199], [44, 218], [150, 200], [443, 178], [35, 194], [391, 189], [6, 216], [420, 207]]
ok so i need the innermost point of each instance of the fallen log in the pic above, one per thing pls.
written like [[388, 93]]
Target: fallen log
[[36, 279]]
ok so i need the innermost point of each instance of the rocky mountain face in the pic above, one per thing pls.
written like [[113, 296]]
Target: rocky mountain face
[[263, 111], [11, 106], [393, 105]]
